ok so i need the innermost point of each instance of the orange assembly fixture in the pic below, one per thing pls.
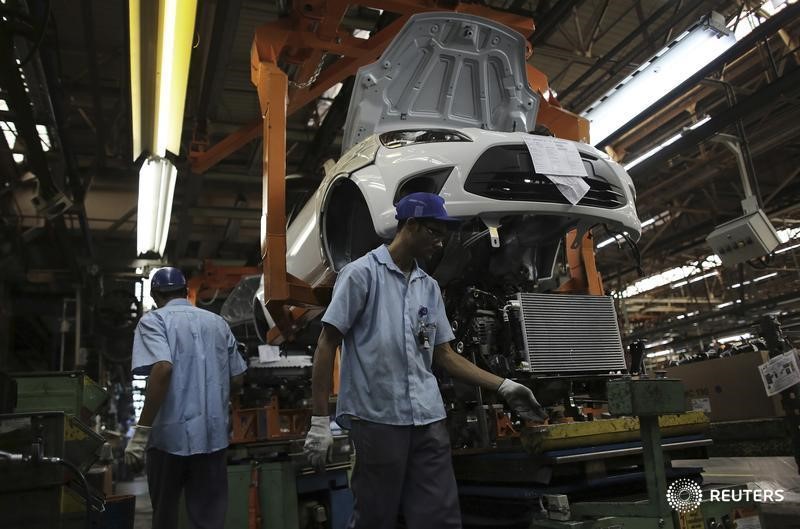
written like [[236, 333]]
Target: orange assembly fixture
[[306, 38], [214, 279]]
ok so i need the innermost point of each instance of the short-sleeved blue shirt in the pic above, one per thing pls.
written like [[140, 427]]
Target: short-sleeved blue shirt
[[202, 350], [385, 373]]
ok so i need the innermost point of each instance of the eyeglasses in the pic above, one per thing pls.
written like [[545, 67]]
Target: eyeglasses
[[438, 235]]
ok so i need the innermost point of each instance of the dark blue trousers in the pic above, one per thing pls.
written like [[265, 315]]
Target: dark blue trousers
[[203, 478], [405, 469]]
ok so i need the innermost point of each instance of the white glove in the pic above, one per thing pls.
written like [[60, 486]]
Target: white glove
[[522, 401], [318, 441], [134, 452]]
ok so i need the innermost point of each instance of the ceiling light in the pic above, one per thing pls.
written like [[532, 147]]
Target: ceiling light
[[787, 248], [161, 33], [656, 344], [156, 188], [633, 163], [735, 338], [688, 53], [698, 278], [660, 353], [762, 278], [608, 241]]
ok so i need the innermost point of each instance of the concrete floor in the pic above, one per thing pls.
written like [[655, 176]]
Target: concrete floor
[[144, 511], [759, 472]]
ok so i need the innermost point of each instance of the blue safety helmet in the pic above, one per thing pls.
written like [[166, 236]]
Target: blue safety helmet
[[167, 279], [422, 206]]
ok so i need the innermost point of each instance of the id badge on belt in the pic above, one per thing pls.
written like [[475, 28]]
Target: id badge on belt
[[425, 329]]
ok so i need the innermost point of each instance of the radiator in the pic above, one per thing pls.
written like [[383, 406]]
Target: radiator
[[571, 334]]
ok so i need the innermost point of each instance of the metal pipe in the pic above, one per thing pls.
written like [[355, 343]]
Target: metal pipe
[[741, 149]]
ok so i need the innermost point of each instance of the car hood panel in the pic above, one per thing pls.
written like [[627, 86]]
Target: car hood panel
[[444, 69]]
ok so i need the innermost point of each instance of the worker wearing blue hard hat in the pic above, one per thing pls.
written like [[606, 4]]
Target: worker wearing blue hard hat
[[389, 317], [192, 362]]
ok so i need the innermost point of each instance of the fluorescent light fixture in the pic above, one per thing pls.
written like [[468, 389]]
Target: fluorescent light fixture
[[636, 161], [3, 105], [648, 222], [688, 53], [762, 278], [608, 241], [161, 34], [660, 353], [735, 338], [699, 278], [728, 304], [680, 284], [156, 189], [787, 248], [656, 344]]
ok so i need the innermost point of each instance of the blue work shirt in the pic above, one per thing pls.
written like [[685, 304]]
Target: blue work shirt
[[203, 352], [385, 373]]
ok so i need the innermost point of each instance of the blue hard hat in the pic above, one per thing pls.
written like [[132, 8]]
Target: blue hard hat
[[422, 206], [167, 279]]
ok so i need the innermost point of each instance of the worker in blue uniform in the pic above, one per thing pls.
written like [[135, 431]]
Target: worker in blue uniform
[[192, 361], [389, 317]]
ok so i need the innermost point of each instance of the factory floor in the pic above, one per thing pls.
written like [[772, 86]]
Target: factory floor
[[760, 472], [144, 512]]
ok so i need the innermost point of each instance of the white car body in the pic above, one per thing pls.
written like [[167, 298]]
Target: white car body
[[460, 76], [377, 172]]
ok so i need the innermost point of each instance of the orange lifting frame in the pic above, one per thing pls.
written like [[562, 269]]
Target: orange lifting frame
[[304, 38]]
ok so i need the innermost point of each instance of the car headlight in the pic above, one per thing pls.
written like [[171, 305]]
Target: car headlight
[[402, 138]]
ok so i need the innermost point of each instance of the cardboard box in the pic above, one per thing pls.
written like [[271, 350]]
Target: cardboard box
[[728, 389]]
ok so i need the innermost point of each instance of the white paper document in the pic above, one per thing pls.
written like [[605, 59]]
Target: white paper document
[[561, 163], [574, 188], [555, 157], [269, 353], [780, 372]]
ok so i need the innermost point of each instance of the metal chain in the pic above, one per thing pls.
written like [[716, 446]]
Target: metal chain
[[314, 76]]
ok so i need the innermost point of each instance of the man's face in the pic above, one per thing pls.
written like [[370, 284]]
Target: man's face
[[429, 237]]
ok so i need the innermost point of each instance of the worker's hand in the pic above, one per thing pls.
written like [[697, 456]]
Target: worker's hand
[[134, 452], [522, 401], [318, 441]]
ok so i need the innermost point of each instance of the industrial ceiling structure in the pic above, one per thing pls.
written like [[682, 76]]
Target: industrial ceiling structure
[[77, 75]]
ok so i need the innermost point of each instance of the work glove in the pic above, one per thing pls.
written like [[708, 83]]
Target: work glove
[[522, 401], [134, 452], [318, 441]]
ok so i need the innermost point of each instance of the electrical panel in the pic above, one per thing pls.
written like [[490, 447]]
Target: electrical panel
[[744, 238]]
